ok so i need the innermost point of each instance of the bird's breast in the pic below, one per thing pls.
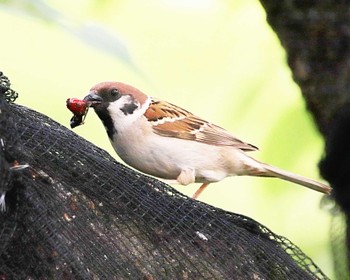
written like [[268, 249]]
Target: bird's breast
[[165, 157], [148, 155]]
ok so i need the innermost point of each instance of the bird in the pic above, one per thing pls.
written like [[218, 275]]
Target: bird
[[163, 140]]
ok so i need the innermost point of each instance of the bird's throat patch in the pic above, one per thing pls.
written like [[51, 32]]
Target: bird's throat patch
[[106, 119]]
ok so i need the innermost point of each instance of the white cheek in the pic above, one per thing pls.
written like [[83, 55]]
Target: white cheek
[[114, 107], [122, 120]]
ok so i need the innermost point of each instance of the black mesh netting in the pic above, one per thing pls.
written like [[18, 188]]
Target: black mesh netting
[[73, 212]]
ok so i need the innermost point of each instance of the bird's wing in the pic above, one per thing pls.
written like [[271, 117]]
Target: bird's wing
[[172, 121]]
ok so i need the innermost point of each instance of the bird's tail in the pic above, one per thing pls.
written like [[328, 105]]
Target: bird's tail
[[271, 171]]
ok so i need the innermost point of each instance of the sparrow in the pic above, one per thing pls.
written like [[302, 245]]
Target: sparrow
[[163, 140]]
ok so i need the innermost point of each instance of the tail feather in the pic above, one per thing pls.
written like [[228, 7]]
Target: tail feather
[[294, 178]]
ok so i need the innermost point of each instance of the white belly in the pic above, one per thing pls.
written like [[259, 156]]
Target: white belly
[[166, 157]]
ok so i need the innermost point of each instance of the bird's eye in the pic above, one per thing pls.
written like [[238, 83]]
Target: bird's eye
[[114, 92]]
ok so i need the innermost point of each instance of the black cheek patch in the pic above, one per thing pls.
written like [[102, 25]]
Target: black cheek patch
[[128, 109]]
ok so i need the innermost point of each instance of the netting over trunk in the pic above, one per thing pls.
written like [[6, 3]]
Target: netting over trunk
[[73, 212]]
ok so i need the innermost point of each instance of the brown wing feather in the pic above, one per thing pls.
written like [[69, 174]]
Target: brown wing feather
[[172, 121]]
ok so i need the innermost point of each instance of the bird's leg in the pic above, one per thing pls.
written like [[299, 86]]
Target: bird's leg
[[187, 176], [200, 190]]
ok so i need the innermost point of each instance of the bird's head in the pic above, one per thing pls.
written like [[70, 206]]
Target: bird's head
[[116, 104]]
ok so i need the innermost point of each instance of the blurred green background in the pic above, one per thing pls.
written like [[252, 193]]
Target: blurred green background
[[217, 58]]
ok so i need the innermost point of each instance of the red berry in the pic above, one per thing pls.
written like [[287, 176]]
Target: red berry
[[77, 106]]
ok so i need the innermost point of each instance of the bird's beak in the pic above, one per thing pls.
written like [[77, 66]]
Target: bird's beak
[[93, 98]]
